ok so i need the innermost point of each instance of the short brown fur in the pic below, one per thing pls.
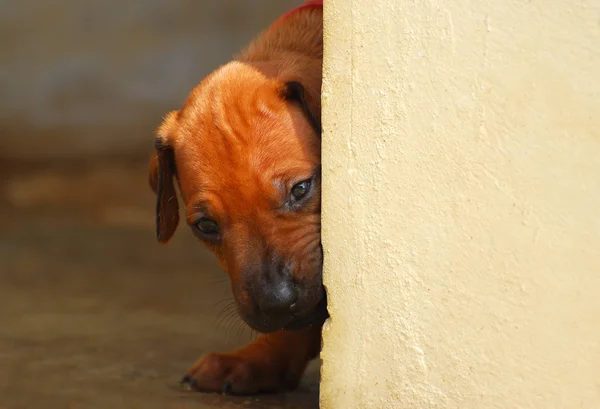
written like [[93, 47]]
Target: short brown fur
[[243, 138]]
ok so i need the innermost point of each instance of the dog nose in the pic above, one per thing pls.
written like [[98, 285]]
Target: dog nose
[[279, 297]]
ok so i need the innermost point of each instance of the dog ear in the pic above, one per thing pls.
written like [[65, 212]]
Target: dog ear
[[294, 91], [162, 172], [161, 175], [153, 172]]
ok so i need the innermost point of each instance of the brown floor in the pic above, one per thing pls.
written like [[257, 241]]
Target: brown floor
[[93, 312]]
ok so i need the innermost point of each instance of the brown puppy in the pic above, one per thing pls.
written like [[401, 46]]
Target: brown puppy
[[245, 151]]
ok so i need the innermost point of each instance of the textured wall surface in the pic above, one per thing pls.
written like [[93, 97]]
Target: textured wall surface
[[95, 77], [461, 204]]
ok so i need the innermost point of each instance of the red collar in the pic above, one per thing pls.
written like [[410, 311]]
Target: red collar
[[308, 4]]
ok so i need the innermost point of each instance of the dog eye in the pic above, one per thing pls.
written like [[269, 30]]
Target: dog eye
[[300, 190], [207, 226]]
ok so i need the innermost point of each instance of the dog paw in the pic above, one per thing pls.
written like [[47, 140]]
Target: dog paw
[[236, 375]]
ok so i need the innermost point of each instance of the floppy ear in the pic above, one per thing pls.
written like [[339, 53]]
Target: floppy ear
[[161, 173], [294, 91]]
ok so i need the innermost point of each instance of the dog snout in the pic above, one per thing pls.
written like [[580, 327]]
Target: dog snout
[[278, 297], [276, 291]]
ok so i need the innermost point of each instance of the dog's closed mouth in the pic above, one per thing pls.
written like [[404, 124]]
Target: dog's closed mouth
[[316, 317], [288, 321]]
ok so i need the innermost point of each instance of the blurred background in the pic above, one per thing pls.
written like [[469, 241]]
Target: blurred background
[[93, 312]]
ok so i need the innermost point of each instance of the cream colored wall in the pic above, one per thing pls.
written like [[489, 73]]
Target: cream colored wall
[[461, 204]]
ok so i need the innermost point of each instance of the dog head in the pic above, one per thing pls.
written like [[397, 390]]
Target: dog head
[[245, 151]]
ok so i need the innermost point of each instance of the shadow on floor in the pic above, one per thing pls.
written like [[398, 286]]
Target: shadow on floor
[[96, 314]]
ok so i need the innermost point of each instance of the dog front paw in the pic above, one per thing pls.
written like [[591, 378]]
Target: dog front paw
[[271, 363], [238, 375]]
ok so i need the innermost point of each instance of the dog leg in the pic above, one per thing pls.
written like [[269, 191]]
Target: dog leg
[[272, 363]]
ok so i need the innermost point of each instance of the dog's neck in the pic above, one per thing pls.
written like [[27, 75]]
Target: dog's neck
[[308, 4], [281, 54], [280, 37]]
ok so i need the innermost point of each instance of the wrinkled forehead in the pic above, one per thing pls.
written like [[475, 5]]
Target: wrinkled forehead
[[236, 129]]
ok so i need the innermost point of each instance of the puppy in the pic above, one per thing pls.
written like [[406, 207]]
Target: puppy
[[245, 152]]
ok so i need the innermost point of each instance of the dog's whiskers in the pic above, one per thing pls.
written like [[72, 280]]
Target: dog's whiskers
[[242, 327], [218, 280], [234, 321], [230, 321], [252, 332], [222, 301], [226, 313]]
